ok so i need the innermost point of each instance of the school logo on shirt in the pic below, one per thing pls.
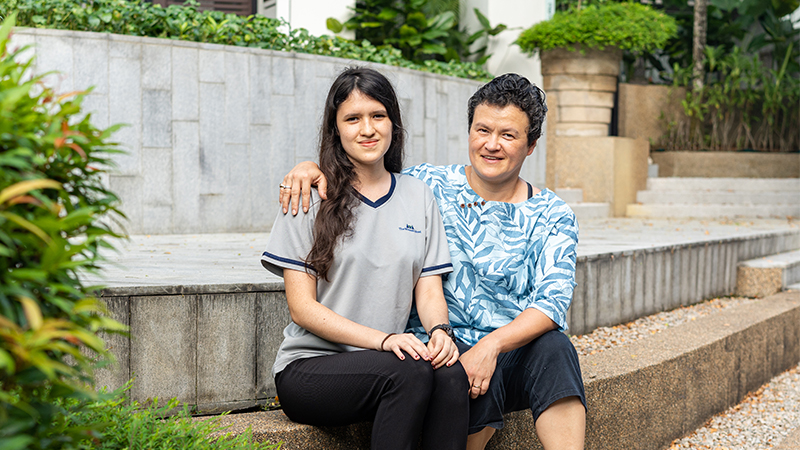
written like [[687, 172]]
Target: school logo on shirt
[[409, 228]]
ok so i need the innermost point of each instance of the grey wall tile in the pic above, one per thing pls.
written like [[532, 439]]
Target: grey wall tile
[[156, 118], [283, 76], [226, 347], [55, 54], [163, 347], [212, 66], [237, 99], [186, 176], [91, 64], [185, 83], [260, 89], [157, 67], [125, 106], [272, 316], [262, 188], [115, 376], [213, 164], [128, 189]]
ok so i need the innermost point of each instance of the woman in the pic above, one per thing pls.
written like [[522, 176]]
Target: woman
[[351, 268]]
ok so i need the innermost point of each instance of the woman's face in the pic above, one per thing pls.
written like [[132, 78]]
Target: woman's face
[[365, 129]]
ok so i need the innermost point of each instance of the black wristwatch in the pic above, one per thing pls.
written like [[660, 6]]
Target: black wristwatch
[[444, 327]]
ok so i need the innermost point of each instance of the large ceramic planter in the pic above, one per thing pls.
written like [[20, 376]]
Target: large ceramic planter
[[580, 87]]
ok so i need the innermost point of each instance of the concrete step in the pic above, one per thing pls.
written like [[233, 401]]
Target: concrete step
[[765, 276], [641, 395], [712, 211], [723, 184], [588, 211], [718, 197], [570, 195]]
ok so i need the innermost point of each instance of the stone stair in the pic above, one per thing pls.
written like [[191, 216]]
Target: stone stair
[[583, 210], [642, 395], [675, 197], [767, 275]]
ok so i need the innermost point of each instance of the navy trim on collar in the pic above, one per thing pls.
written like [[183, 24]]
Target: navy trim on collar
[[381, 200]]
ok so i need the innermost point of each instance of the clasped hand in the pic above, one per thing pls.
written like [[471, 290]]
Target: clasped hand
[[440, 351]]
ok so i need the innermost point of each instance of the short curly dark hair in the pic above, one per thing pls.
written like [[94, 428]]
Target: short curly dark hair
[[513, 89]]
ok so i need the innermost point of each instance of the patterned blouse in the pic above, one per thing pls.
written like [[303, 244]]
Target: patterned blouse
[[507, 257]]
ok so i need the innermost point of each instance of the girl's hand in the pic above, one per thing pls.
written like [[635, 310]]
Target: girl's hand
[[442, 349], [408, 343]]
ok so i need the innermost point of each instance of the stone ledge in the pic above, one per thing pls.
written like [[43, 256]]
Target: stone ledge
[[641, 396], [768, 275]]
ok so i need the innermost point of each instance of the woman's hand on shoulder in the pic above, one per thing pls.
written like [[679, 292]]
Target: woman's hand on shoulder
[[442, 349], [298, 182], [406, 342]]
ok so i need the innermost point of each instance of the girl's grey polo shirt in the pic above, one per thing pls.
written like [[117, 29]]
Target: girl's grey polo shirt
[[396, 239]]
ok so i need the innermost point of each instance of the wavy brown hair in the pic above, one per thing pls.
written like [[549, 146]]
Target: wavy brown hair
[[335, 218]]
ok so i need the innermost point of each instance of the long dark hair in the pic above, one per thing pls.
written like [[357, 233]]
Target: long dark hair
[[334, 220]]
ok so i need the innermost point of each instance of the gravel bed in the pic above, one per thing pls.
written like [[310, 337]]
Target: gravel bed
[[607, 337], [760, 421]]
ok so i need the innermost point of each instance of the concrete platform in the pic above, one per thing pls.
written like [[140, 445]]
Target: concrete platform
[[640, 396], [767, 275], [206, 319]]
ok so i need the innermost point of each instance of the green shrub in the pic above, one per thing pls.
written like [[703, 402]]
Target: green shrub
[[52, 210], [131, 425], [629, 26], [742, 105], [422, 30], [142, 18]]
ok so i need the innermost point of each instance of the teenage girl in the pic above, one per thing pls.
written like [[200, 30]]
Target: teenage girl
[[353, 267]]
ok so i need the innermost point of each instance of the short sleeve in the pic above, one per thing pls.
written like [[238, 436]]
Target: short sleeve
[[437, 253], [290, 240], [554, 270]]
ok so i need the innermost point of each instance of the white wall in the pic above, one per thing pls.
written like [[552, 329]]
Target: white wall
[[507, 57], [312, 14]]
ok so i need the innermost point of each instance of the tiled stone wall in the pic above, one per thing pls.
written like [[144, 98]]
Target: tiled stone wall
[[212, 129]]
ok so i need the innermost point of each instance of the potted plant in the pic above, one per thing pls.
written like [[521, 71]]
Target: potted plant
[[581, 50]]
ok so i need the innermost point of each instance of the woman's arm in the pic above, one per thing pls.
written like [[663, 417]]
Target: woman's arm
[[301, 178], [308, 313], [432, 309]]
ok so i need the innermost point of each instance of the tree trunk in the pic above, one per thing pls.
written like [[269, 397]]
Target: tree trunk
[[700, 25]]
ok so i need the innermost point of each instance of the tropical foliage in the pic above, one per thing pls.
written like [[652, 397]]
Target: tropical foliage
[[422, 30], [55, 216], [143, 18]]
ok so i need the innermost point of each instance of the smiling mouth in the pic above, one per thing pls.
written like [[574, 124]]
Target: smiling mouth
[[491, 158]]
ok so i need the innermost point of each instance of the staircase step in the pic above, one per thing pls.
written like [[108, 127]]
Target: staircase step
[[589, 211], [710, 211], [736, 197], [724, 184], [765, 276], [570, 195]]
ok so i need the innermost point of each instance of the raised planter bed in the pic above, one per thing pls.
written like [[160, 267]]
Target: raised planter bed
[[727, 164]]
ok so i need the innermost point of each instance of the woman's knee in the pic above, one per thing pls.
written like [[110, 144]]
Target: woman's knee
[[452, 380]]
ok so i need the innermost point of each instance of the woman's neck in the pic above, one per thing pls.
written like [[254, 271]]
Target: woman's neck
[[373, 184], [514, 190]]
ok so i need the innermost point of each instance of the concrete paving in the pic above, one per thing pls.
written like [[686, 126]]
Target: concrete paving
[[233, 258]]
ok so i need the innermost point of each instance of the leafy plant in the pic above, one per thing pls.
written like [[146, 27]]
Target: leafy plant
[[629, 26], [53, 224], [404, 24], [742, 105], [143, 18], [131, 425]]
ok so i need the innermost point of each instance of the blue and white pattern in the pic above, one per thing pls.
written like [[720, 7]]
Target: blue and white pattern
[[506, 257]]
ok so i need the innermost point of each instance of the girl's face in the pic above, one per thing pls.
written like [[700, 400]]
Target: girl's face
[[364, 129]]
